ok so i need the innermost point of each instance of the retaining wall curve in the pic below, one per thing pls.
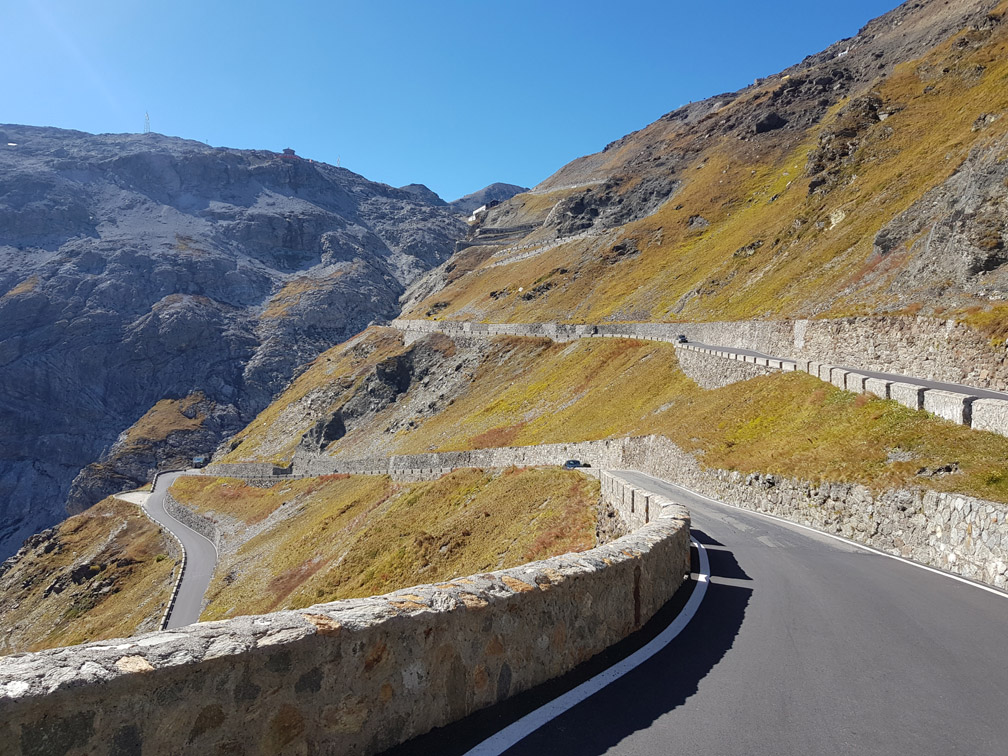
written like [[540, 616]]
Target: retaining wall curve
[[961, 534], [202, 525]]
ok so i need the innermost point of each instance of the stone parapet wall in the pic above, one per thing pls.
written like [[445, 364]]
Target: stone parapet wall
[[349, 677], [634, 505]]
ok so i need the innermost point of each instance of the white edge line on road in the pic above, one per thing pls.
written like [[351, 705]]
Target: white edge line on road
[[514, 732], [834, 536]]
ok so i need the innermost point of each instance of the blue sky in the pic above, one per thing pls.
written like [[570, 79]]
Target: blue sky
[[452, 94]]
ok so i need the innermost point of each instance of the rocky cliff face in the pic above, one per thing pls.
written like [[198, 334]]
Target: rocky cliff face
[[136, 268]]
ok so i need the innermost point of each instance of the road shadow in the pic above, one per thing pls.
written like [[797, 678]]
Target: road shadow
[[630, 703], [703, 539]]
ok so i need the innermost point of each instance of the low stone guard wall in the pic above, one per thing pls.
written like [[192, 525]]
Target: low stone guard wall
[[435, 464], [636, 506], [353, 677], [240, 469]]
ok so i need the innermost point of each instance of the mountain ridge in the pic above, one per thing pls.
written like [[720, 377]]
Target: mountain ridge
[[137, 268]]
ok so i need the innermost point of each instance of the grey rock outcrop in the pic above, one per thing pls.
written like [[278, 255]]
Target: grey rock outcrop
[[140, 267], [135, 458], [390, 379], [957, 233]]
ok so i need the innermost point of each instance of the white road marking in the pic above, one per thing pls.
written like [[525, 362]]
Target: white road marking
[[823, 533], [514, 732]]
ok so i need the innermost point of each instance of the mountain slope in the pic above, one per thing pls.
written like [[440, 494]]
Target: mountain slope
[[869, 178], [105, 573], [513, 391], [136, 268]]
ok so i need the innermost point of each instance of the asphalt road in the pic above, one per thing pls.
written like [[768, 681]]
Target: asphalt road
[[805, 645], [980, 393], [201, 556]]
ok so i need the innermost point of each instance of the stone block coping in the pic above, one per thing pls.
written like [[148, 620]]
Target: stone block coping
[[990, 415], [908, 394], [855, 382], [950, 405], [838, 377], [877, 386]]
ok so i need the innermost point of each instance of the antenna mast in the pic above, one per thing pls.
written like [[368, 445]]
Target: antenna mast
[[146, 123]]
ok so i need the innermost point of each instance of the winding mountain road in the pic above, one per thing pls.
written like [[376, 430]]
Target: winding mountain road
[[201, 556], [803, 644]]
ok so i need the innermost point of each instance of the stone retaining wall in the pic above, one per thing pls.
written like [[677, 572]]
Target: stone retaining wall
[[712, 371], [202, 525], [960, 534], [435, 464], [941, 350], [349, 677], [518, 252], [240, 469]]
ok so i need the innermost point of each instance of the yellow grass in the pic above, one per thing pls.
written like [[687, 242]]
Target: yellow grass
[[25, 287], [351, 536], [164, 418], [336, 373], [532, 391], [118, 548]]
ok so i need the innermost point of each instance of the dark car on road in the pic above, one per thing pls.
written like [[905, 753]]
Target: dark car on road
[[570, 464], [681, 338]]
